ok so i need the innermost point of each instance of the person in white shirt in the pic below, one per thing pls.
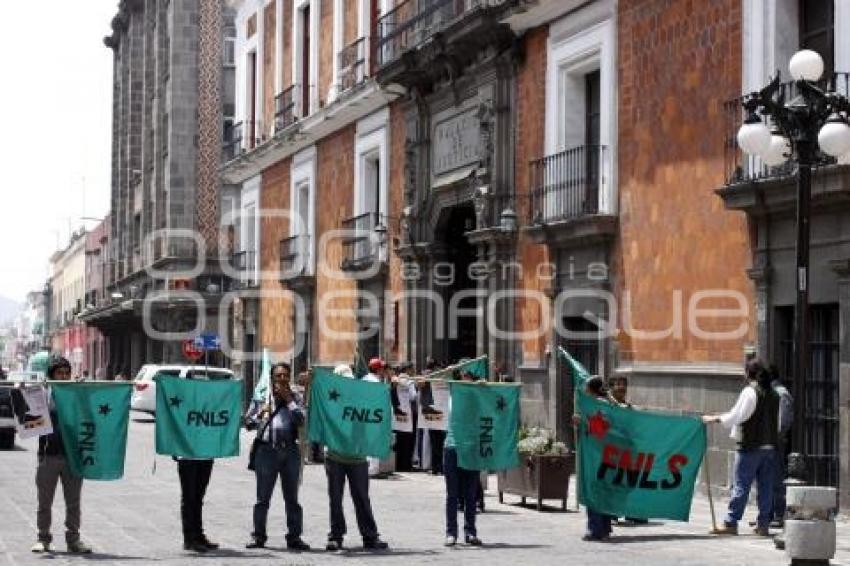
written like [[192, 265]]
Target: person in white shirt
[[754, 424]]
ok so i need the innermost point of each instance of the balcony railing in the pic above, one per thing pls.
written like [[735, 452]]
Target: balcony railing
[[740, 167], [360, 247], [566, 185], [284, 108], [233, 140], [295, 256], [245, 262], [412, 22], [352, 64]]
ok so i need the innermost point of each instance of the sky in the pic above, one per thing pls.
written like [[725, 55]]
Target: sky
[[56, 152]]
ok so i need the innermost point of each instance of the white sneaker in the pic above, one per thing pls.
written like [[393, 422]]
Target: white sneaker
[[40, 547], [451, 541]]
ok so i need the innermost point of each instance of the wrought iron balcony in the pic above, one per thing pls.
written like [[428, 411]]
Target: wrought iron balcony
[[232, 140], [245, 262], [284, 108], [566, 185], [412, 22], [295, 257], [352, 64], [361, 247], [740, 167]]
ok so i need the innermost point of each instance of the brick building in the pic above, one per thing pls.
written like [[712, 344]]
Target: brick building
[[545, 169], [164, 277]]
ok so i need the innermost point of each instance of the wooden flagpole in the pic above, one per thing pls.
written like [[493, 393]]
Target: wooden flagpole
[[706, 467]]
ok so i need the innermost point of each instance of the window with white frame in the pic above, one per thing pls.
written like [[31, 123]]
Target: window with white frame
[[371, 178], [580, 115], [249, 231], [305, 55], [302, 217]]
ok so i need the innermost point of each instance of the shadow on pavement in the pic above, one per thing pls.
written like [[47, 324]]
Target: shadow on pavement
[[98, 556], [618, 539], [377, 554], [500, 546], [144, 419]]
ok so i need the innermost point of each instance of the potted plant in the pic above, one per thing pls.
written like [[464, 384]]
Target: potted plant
[[544, 470]]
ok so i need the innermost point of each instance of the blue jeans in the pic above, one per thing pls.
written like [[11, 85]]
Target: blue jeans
[[758, 465], [358, 485], [271, 463], [598, 524], [779, 487], [459, 480]]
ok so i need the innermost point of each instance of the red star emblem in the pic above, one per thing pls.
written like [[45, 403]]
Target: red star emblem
[[597, 425]]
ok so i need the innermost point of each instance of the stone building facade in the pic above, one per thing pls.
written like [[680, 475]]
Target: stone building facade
[[766, 197], [171, 90]]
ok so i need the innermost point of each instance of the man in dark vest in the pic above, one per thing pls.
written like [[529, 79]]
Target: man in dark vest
[[754, 421]]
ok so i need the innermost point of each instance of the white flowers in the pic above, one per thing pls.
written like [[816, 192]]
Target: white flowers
[[540, 441]]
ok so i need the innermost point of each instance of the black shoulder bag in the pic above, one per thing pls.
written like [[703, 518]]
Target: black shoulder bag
[[252, 455]]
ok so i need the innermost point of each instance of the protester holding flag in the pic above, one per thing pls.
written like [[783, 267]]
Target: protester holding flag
[[277, 453], [52, 467], [754, 420], [598, 524], [336, 423], [460, 483]]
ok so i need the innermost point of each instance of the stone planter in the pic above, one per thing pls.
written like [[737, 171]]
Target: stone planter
[[539, 477]]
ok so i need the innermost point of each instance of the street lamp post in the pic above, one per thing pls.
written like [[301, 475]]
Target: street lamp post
[[813, 120]]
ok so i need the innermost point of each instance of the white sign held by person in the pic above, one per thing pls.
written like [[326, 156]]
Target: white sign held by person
[[35, 419], [434, 405], [402, 418]]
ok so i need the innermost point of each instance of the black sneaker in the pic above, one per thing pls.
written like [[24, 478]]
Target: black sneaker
[[256, 542], [298, 544], [195, 546], [473, 540], [208, 543], [375, 544], [333, 545]]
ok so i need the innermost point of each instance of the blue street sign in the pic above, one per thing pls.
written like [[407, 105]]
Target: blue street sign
[[207, 342]]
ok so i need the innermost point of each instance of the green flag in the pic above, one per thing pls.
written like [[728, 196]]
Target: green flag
[[485, 425], [350, 416], [261, 389], [479, 368], [198, 418], [637, 463], [579, 372], [93, 419]]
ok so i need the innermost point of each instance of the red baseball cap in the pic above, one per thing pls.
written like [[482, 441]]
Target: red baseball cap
[[377, 363]]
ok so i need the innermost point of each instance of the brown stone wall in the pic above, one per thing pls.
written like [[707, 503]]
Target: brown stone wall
[[396, 349], [268, 66], [334, 203], [530, 128], [326, 50], [275, 311], [678, 61], [251, 26], [286, 68], [350, 22]]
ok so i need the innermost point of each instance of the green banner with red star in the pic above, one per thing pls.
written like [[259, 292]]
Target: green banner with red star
[[93, 418], [351, 417], [635, 463]]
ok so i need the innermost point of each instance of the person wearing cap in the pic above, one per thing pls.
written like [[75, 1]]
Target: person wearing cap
[[338, 467], [52, 468]]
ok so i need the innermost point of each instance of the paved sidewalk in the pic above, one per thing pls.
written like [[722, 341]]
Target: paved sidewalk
[[135, 521]]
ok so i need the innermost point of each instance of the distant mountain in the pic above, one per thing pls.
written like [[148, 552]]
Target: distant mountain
[[9, 309]]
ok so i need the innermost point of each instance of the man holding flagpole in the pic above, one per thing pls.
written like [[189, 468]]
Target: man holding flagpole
[[53, 467]]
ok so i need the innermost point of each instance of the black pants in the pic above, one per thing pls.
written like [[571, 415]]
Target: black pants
[[194, 479], [437, 438], [358, 485], [404, 442]]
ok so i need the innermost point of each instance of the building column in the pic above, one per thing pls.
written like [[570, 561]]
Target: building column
[[842, 269]]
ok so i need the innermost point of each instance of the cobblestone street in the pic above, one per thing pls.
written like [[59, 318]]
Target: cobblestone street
[[136, 521]]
